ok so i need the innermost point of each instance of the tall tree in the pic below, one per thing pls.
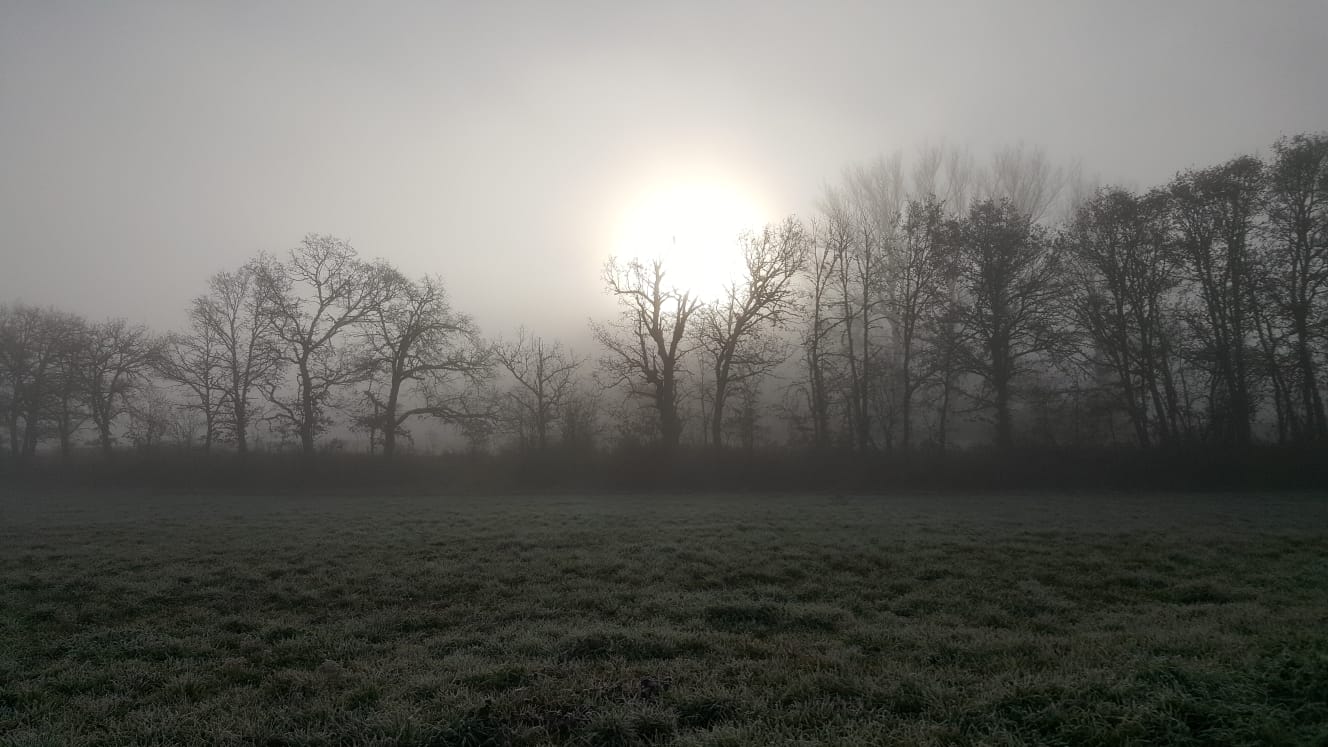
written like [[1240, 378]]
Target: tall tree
[[35, 347], [1214, 211], [1010, 278], [645, 345], [820, 269], [865, 212], [232, 315], [543, 375], [917, 279], [1122, 273], [195, 362], [116, 361], [733, 331], [1294, 277], [419, 348], [311, 303]]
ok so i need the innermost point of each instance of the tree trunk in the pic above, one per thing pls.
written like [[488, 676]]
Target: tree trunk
[[241, 425], [306, 411], [389, 419]]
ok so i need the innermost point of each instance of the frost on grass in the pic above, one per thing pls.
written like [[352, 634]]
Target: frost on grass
[[665, 620]]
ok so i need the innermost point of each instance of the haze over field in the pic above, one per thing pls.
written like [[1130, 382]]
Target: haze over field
[[512, 148]]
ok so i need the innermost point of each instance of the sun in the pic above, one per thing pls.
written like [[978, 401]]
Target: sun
[[694, 228]]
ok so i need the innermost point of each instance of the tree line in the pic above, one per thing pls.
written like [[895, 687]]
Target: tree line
[[948, 304]]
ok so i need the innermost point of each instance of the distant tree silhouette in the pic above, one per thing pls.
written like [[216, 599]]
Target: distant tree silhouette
[[1121, 273], [194, 361], [233, 316], [417, 345], [115, 363], [1214, 212], [736, 332], [862, 217], [1293, 279], [312, 303], [40, 389], [646, 344], [1011, 283], [919, 273], [544, 375]]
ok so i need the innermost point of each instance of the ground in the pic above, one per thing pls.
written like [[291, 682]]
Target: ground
[[690, 620]]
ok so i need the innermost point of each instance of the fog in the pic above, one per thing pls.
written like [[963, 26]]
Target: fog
[[145, 146]]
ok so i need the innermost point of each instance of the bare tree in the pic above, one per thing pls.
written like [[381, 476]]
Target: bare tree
[[419, 348], [864, 215], [543, 373], [1214, 212], [1010, 278], [1122, 274], [645, 345], [195, 362], [36, 348], [822, 254], [231, 314], [311, 303], [580, 425], [917, 280], [1294, 277], [152, 418], [1026, 177], [732, 332], [116, 360]]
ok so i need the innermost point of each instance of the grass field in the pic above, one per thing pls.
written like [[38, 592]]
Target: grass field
[[719, 620]]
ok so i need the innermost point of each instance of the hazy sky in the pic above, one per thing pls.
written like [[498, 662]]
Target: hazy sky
[[144, 146]]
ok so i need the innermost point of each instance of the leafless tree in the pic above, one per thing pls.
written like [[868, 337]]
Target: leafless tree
[[231, 314], [311, 303], [864, 215], [1294, 272], [39, 390], [1121, 274], [152, 418], [645, 345], [734, 332], [1026, 177], [116, 360], [580, 426], [827, 245], [422, 354], [1010, 277], [1214, 212], [195, 362], [544, 376], [917, 281]]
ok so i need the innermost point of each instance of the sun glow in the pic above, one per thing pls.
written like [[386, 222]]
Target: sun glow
[[694, 229]]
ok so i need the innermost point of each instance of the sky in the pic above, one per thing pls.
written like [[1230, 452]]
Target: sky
[[511, 148]]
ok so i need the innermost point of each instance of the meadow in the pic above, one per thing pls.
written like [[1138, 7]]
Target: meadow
[[736, 619]]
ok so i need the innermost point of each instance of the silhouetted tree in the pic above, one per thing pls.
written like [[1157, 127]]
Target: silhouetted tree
[[1294, 273], [418, 347], [1122, 272], [232, 316], [1011, 283], [822, 253], [311, 303], [194, 361], [864, 214], [1214, 211], [543, 373], [734, 331], [645, 345], [115, 362], [39, 388], [918, 274]]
